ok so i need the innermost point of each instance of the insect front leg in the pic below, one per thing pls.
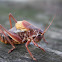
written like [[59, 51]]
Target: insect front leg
[[10, 15], [13, 47], [29, 50], [44, 40], [37, 45]]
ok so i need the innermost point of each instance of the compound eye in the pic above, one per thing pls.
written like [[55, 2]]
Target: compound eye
[[39, 35]]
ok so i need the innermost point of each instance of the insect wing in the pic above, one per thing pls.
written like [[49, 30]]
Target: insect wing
[[28, 26]]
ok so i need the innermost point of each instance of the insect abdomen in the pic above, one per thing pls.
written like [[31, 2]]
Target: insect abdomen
[[3, 39], [21, 34]]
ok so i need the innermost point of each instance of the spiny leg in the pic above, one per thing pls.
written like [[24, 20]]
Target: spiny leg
[[8, 41], [14, 36], [37, 45], [29, 50], [10, 15]]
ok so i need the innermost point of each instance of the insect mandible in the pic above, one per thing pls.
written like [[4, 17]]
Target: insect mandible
[[22, 32]]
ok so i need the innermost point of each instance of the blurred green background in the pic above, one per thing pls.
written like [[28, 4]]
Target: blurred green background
[[37, 13]]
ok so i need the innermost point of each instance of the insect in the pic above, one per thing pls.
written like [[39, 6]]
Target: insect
[[22, 32]]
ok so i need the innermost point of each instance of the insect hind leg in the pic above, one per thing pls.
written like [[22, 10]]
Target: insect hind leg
[[13, 47], [10, 15]]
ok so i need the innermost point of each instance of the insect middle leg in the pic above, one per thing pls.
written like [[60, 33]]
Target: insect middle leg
[[13, 47], [10, 15], [29, 50]]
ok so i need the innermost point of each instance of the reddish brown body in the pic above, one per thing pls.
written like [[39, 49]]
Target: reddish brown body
[[22, 32]]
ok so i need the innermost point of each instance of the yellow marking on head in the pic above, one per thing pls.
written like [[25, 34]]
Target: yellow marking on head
[[20, 26]]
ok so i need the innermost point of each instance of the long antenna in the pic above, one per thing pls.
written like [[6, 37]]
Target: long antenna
[[48, 26]]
